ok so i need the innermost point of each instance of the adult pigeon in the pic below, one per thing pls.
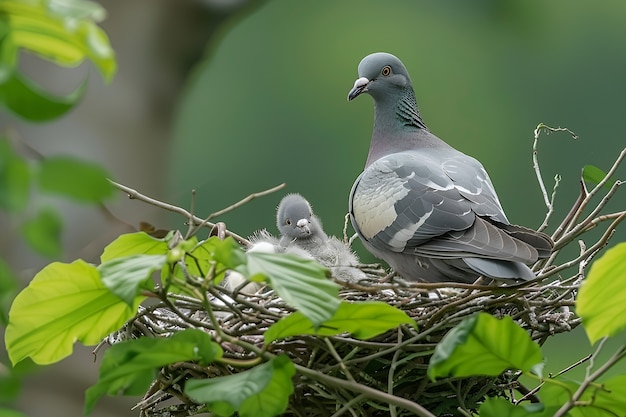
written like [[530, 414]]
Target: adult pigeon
[[425, 208], [300, 228]]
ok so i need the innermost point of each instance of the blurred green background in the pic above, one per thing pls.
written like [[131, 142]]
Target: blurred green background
[[231, 97], [268, 105]]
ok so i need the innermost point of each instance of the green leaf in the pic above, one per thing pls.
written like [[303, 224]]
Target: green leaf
[[302, 283], [43, 232], [63, 303], [8, 289], [73, 178], [14, 179], [129, 367], [363, 320], [262, 391], [139, 243], [6, 412], [484, 345], [26, 99], [10, 386], [595, 175], [125, 277], [602, 399], [61, 31], [600, 302], [226, 253], [500, 407]]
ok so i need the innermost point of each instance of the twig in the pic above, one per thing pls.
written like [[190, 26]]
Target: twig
[[134, 194], [590, 378], [369, 392], [390, 377], [340, 361], [561, 372], [239, 204], [549, 201]]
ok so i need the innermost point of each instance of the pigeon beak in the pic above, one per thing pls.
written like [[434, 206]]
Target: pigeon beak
[[360, 86], [303, 224]]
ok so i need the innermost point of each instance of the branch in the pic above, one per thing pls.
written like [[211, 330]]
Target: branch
[[571, 403], [134, 194], [549, 201], [369, 392]]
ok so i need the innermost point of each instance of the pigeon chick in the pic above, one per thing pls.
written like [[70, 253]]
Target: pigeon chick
[[427, 209], [300, 228]]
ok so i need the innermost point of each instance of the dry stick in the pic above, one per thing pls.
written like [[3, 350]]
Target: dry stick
[[340, 362], [592, 250], [134, 194], [392, 368], [368, 392], [571, 403], [572, 212], [239, 204], [549, 202], [589, 195], [561, 372], [583, 225], [346, 407]]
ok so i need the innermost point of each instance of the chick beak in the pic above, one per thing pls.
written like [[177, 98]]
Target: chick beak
[[303, 224]]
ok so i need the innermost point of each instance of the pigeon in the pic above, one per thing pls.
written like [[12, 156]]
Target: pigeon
[[425, 208], [300, 228]]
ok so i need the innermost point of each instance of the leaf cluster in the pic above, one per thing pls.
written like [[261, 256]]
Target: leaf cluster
[[62, 31]]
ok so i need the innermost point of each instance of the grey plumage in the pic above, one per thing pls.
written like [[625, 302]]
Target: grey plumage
[[425, 208]]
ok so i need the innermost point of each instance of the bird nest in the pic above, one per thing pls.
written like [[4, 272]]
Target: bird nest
[[394, 362], [390, 369]]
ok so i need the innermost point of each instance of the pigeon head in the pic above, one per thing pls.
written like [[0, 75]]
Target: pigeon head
[[380, 74], [295, 218], [396, 116]]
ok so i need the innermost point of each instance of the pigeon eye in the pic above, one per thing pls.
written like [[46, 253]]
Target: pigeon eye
[[386, 70], [288, 222]]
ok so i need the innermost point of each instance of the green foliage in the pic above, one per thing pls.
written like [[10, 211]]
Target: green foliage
[[363, 320], [5, 412], [78, 301], [604, 399], [595, 175], [600, 302], [74, 179], [43, 232], [129, 244], [129, 367], [8, 289], [63, 32], [15, 177], [25, 98], [125, 276], [211, 253], [41, 227], [262, 391], [302, 283], [500, 407], [63, 303], [484, 345]]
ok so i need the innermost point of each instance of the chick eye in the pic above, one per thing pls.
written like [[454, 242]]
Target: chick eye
[[288, 222], [386, 70]]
